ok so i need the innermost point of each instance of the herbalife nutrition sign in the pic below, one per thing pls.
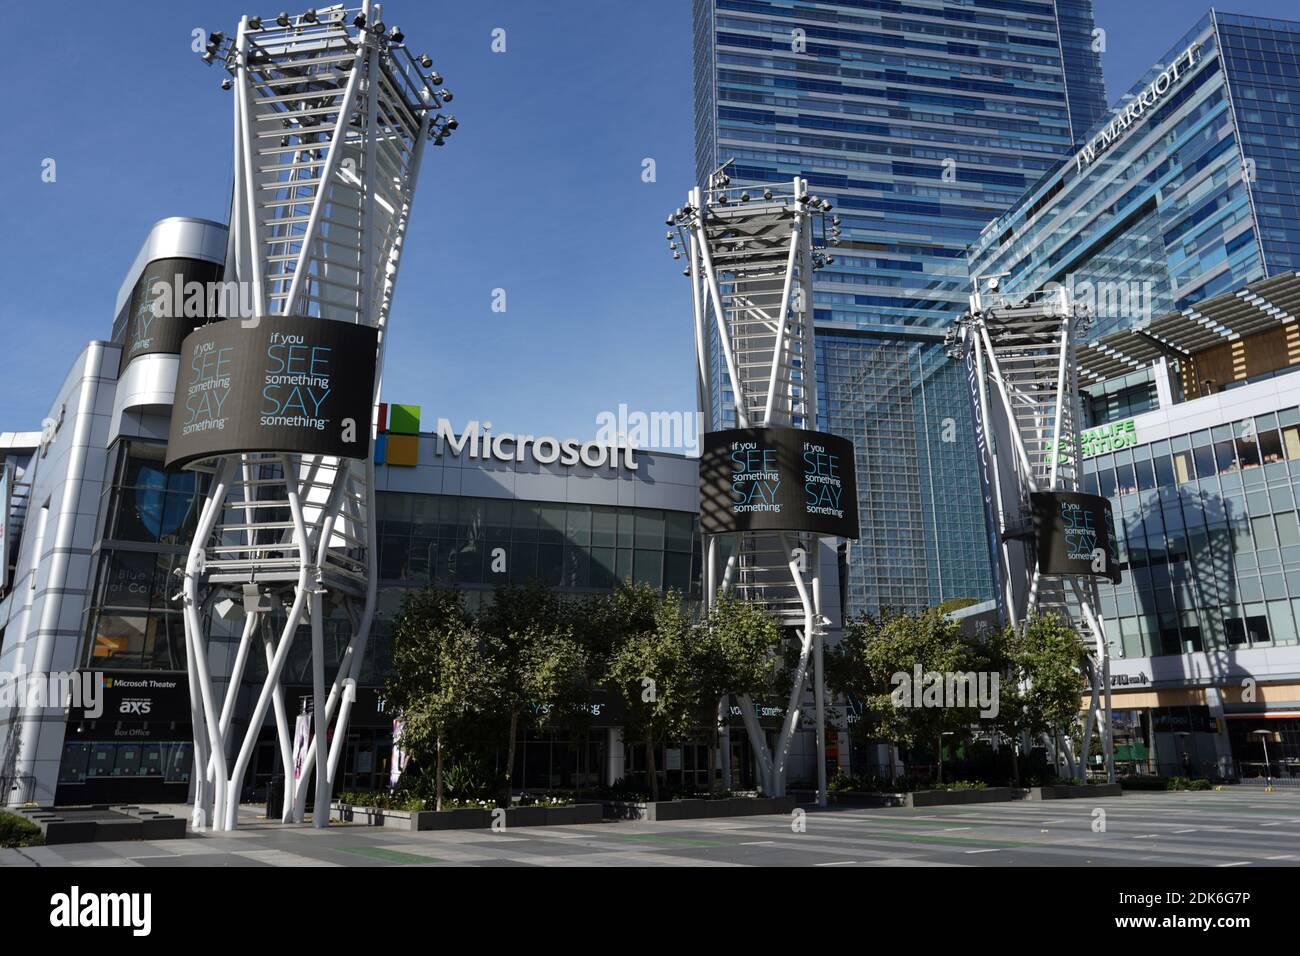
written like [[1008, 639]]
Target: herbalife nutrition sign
[[1104, 438], [1136, 108], [1097, 441]]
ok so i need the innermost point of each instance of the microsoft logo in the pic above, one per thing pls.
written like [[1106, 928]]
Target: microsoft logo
[[397, 437]]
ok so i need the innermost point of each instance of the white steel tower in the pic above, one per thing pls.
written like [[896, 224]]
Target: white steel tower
[[750, 257], [332, 113], [1023, 378]]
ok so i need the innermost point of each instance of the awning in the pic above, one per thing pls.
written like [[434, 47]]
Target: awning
[[1258, 307], [1264, 715]]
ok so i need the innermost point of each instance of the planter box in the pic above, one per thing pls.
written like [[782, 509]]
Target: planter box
[[524, 817], [1076, 792], [469, 818], [948, 798], [669, 810], [862, 798], [466, 819], [373, 816], [925, 798], [103, 824], [568, 816]]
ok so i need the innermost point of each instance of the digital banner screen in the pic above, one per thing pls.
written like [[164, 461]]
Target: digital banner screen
[[289, 383], [1075, 534], [778, 479], [162, 312]]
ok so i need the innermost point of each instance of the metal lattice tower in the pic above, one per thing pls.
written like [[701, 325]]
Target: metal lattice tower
[[751, 254], [1025, 394], [332, 113]]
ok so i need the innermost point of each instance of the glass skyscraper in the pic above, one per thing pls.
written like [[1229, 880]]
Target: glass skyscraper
[[1195, 195], [1176, 223], [921, 122]]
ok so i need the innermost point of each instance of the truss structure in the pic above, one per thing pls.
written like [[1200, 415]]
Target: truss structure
[[332, 113], [1023, 377], [751, 254]]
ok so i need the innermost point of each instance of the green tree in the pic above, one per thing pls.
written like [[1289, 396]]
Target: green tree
[[1043, 679], [440, 673], [735, 650], [876, 662], [538, 668], [651, 669]]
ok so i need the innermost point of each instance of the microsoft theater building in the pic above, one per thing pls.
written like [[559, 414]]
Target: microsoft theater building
[[97, 528], [1176, 225]]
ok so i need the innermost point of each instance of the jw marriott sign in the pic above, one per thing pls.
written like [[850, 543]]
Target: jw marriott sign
[[1138, 106]]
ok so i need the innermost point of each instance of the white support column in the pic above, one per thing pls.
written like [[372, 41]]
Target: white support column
[[819, 696], [321, 804], [197, 651], [614, 755]]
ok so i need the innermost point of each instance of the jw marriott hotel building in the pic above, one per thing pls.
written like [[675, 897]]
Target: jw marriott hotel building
[[1177, 224]]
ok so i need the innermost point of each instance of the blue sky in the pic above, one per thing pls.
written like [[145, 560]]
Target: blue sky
[[539, 193]]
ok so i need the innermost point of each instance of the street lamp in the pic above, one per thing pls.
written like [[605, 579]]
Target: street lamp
[[1263, 736]]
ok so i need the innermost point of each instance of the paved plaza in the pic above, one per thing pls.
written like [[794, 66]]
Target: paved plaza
[[1240, 827]]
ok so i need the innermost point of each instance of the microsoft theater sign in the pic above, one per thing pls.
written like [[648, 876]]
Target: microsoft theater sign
[[1170, 77]]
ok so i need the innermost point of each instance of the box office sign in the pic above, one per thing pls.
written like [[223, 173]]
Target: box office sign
[[168, 302], [1075, 534], [288, 383], [778, 479]]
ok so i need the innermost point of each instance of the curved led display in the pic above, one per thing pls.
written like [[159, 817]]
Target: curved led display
[[169, 300], [778, 479], [1075, 534], [288, 383]]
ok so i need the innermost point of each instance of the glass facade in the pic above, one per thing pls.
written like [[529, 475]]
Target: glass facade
[[920, 122], [1196, 197], [923, 536], [1209, 538], [148, 519], [1262, 61], [484, 542]]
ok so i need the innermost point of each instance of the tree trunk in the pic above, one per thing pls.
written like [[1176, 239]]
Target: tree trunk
[[437, 802], [1015, 763], [713, 759], [650, 766], [510, 754]]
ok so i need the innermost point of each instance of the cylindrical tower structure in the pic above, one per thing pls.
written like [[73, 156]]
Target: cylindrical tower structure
[[332, 113], [1051, 542], [770, 485]]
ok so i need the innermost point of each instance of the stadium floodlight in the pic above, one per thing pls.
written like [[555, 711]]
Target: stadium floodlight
[[751, 268], [317, 230], [1052, 544]]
